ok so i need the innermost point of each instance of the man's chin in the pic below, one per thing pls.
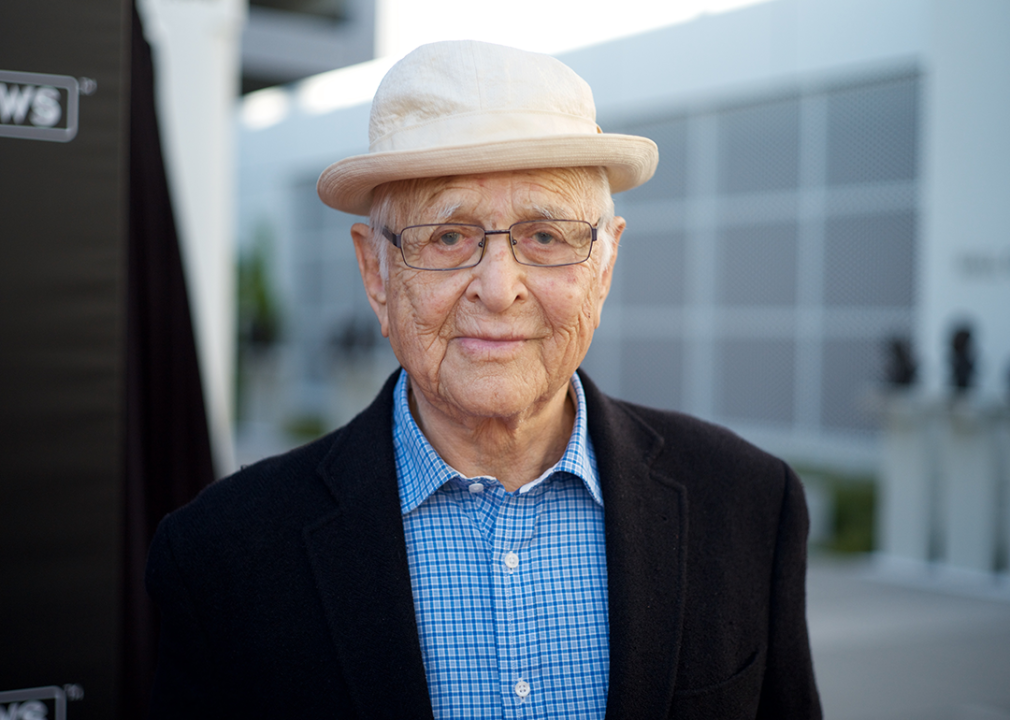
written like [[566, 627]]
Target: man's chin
[[502, 393]]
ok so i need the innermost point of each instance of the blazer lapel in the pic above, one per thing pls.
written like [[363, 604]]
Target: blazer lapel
[[646, 522], [359, 559]]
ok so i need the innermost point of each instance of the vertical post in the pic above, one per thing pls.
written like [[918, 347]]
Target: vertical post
[[196, 46], [1001, 441], [968, 471], [904, 523]]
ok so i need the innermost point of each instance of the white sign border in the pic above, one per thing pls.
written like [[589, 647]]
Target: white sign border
[[48, 692]]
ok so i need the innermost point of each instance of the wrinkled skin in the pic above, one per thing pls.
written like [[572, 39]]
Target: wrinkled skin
[[490, 350]]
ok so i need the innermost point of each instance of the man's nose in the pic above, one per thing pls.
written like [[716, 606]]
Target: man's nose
[[498, 280]]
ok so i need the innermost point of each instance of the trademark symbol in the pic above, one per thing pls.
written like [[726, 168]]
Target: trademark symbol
[[88, 85], [74, 691]]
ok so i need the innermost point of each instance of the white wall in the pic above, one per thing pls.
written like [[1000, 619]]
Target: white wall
[[751, 50], [965, 272]]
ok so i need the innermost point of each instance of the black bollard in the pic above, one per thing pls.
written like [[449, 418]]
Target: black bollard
[[962, 358], [900, 369]]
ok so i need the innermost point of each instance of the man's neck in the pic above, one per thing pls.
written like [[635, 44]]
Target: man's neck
[[514, 450]]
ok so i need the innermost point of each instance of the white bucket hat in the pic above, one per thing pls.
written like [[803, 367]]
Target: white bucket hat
[[464, 107]]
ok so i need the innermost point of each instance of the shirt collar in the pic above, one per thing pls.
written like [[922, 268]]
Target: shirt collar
[[420, 471]]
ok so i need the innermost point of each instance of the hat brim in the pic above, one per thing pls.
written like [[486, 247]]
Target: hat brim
[[348, 185]]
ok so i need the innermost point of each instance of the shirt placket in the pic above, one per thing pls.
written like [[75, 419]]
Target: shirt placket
[[515, 619]]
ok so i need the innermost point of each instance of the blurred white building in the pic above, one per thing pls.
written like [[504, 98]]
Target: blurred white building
[[832, 173]]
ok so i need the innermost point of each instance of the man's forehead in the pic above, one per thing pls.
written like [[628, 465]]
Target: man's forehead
[[547, 192]]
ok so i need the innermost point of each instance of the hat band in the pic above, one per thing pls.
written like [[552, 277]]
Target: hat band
[[483, 127]]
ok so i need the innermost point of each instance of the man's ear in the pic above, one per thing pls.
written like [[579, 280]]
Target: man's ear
[[371, 273], [607, 273]]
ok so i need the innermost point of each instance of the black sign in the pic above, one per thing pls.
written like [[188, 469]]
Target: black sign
[[62, 314]]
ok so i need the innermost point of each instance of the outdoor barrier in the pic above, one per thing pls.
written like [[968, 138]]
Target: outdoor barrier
[[945, 484]]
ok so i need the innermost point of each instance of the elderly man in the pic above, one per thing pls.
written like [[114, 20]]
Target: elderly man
[[493, 537]]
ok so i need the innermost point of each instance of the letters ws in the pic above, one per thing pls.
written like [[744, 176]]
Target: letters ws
[[44, 102]]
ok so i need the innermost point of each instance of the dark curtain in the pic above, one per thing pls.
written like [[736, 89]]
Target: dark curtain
[[167, 443]]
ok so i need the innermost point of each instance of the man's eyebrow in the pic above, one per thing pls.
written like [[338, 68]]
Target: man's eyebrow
[[446, 211], [550, 212]]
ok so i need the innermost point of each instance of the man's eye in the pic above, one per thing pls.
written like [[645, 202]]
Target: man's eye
[[544, 238], [449, 238]]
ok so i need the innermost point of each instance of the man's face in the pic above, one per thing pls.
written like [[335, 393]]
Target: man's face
[[500, 339]]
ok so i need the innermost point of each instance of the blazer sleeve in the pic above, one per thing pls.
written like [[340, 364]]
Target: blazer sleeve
[[789, 689], [184, 683]]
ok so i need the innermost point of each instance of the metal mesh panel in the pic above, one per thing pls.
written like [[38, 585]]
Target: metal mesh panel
[[759, 147], [310, 282], [308, 222], [343, 281], [651, 372], [757, 265], [310, 214], [602, 362], [872, 133], [851, 370], [653, 269], [754, 379], [344, 291], [670, 180], [327, 286], [869, 260]]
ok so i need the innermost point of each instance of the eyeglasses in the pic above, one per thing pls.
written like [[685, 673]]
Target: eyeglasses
[[455, 246]]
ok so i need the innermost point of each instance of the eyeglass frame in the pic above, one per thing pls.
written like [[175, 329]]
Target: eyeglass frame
[[397, 240]]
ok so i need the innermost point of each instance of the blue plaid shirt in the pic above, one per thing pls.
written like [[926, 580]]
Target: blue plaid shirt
[[510, 589]]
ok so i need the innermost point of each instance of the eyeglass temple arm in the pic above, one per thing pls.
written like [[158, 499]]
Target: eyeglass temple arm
[[391, 236]]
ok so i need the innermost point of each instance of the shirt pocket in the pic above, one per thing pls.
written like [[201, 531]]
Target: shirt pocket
[[735, 698]]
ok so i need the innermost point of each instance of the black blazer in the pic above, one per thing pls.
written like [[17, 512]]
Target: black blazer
[[284, 590]]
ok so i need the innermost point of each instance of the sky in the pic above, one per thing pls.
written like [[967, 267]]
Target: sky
[[550, 26]]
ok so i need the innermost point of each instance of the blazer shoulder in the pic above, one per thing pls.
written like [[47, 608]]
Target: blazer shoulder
[[693, 435], [237, 513], [693, 439], [691, 451], [284, 491]]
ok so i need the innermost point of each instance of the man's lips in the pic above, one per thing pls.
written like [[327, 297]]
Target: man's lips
[[491, 337], [491, 344]]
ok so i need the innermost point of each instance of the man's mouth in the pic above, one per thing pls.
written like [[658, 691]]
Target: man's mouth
[[491, 345]]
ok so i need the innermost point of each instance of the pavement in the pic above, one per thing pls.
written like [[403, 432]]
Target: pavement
[[892, 646]]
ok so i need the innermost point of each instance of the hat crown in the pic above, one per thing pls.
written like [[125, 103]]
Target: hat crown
[[464, 107], [460, 92]]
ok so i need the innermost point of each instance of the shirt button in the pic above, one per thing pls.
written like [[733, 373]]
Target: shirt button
[[522, 688], [511, 562], [476, 488]]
